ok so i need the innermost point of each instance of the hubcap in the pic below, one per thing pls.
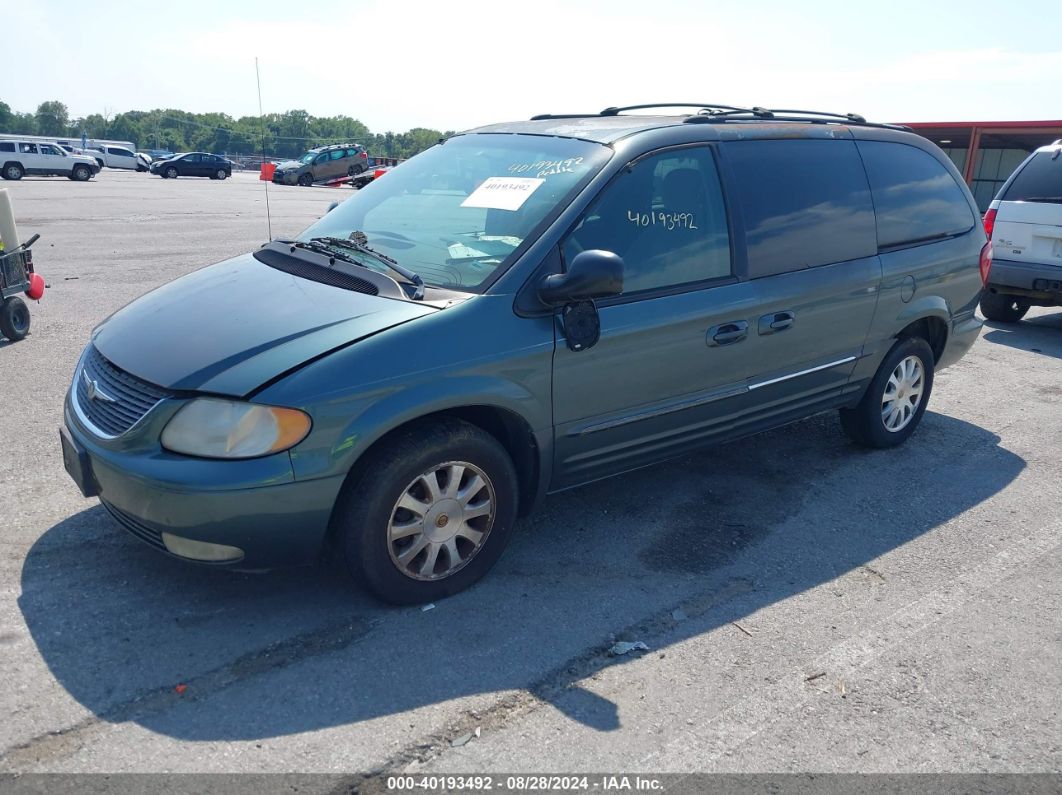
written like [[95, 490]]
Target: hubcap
[[441, 521], [903, 394]]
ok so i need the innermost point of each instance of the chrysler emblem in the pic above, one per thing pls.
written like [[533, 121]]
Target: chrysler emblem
[[92, 389]]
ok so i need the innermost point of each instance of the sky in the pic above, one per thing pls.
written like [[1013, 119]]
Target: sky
[[398, 64]]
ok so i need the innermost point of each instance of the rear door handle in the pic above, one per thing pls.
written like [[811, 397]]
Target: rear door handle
[[776, 321], [728, 333]]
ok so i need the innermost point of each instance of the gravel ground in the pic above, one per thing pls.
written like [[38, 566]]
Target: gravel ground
[[808, 606]]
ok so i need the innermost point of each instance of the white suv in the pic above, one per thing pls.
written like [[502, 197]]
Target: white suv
[[1024, 222], [32, 157]]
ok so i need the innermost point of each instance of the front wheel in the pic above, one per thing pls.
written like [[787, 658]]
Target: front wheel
[[14, 319], [306, 180], [896, 398], [81, 173], [1002, 308], [170, 173], [430, 514]]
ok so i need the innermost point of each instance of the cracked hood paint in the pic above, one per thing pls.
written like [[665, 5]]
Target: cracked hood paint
[[230, 327]]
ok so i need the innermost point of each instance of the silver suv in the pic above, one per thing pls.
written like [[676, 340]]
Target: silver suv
[[324, 163], [1025, 224]]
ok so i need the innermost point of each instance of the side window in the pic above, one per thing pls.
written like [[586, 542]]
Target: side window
[[915, 197], [48, 149], [7, 146], [352, 153], [320, 159], [337, 154], [28, 149], [804, 203], [665, 217], [120, 152], [192, 159]]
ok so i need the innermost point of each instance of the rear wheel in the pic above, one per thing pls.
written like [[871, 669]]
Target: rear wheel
[[13, 171], [896, 398], [14, 319], [1002, 308], [220, 174], [431, 513]]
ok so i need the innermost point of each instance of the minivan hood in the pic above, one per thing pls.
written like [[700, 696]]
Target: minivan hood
[[230, 327], [289, 164]]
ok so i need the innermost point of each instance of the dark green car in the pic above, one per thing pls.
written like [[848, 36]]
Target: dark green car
[[522, 309]]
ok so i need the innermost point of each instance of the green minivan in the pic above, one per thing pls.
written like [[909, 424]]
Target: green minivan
[[521, 309]]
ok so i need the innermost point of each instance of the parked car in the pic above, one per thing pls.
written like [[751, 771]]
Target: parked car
[[193, 164], [143, 161], [114, 157], [1025, 224], [522, 309], [324, 163], [30, 157]]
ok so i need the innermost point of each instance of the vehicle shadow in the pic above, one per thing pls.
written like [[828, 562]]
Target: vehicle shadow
[[1039, 334], [204, 654]]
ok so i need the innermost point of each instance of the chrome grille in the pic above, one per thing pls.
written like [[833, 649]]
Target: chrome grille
[[117, 401]]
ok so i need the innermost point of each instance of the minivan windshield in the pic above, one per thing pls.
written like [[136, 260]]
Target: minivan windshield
[[456, 213]]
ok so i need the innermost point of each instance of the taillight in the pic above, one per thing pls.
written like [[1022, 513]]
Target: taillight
[[990, 222], [986, 259]]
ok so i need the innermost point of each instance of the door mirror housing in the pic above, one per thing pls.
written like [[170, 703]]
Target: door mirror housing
[[591, 274]]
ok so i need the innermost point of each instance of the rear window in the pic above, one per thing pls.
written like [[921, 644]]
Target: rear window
[[1039, 180], [916, 198], [7, 146], [805, 203]]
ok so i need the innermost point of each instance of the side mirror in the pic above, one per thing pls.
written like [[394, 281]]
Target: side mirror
[[591, 274]]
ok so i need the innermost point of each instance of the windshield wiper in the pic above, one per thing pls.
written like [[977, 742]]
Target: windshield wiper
[[358, 242]]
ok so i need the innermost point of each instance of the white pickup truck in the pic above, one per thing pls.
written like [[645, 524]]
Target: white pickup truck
[[18, 158]]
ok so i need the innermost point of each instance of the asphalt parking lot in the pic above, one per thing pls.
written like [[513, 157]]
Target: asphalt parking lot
[[808, 605]]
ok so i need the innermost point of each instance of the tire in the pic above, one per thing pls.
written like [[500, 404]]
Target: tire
[[81, 173], [100, 163], [868, 424], [368, 510], [14, 319], [1002, 308], [170, 173], [221, 174], [14, 171], [306, 180]]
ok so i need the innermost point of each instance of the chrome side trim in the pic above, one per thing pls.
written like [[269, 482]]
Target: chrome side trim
[[781, 378], [660, 411]]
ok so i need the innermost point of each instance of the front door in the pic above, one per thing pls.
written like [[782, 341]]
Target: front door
[[670, 369]]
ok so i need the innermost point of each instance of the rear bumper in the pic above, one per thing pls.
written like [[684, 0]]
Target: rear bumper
[[1040, 282]]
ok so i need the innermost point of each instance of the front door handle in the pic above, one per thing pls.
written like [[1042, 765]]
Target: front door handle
[[728, 333], [776, 321]]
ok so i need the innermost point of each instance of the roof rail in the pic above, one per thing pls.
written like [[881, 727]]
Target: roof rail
[[712, 112]]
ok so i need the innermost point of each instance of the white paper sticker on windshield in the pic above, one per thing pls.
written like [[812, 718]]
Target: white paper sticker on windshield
[[502, 193]]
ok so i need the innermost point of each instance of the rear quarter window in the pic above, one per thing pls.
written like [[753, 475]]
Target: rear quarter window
[[7, 146], [916, 199], [804, 203], [1039, 180]]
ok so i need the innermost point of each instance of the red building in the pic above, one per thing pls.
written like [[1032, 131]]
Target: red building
[[987, 152]]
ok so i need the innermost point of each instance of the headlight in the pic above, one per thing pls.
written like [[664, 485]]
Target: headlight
[[215, 428]]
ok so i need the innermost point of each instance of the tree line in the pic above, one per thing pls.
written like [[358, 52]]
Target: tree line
[[277, 135]]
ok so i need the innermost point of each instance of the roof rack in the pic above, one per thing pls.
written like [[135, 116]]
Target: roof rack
[[713, 112]]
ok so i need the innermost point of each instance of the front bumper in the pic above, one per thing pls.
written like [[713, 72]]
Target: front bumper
[[1039, 282], [285, 179], [255, 505]]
